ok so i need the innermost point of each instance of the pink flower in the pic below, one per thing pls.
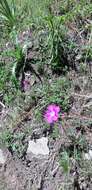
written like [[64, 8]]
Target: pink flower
[[52, 113]]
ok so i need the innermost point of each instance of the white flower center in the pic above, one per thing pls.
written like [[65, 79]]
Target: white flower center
[[52, 113]]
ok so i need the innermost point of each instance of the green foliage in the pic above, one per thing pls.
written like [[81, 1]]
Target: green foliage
[[19, 61], [87, 53], [64, 161], [55, 92], [78, 140], [3, 77], [32, 12], [56, 37], [9, 85], [6, 138], [16, 54], [73, 10], [55, 133], [7, 13], [56, 49], [17, 145], [13, 142], [83, 67]]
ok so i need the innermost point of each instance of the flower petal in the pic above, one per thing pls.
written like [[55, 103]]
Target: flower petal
[[56, 108], [55, 118], [50, 108]]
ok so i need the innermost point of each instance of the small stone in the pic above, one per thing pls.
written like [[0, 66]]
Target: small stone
[[88, 156], [90, 153], [2, 158], [39, 147]]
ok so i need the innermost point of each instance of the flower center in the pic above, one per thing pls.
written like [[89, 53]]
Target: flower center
[[52, 113]]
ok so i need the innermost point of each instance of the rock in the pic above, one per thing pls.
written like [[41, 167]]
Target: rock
[[88, 156], [39, 147], [90, 153], [2, 158]]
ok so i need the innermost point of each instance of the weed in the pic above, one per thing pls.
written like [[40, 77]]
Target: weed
[[13, 142], [64, 161], [77, 139], [65, 164], [9, 85], [56, 92], [7, 13], [6, 138], [54, 42], [56, 37], [33, 12], [55, 133]]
